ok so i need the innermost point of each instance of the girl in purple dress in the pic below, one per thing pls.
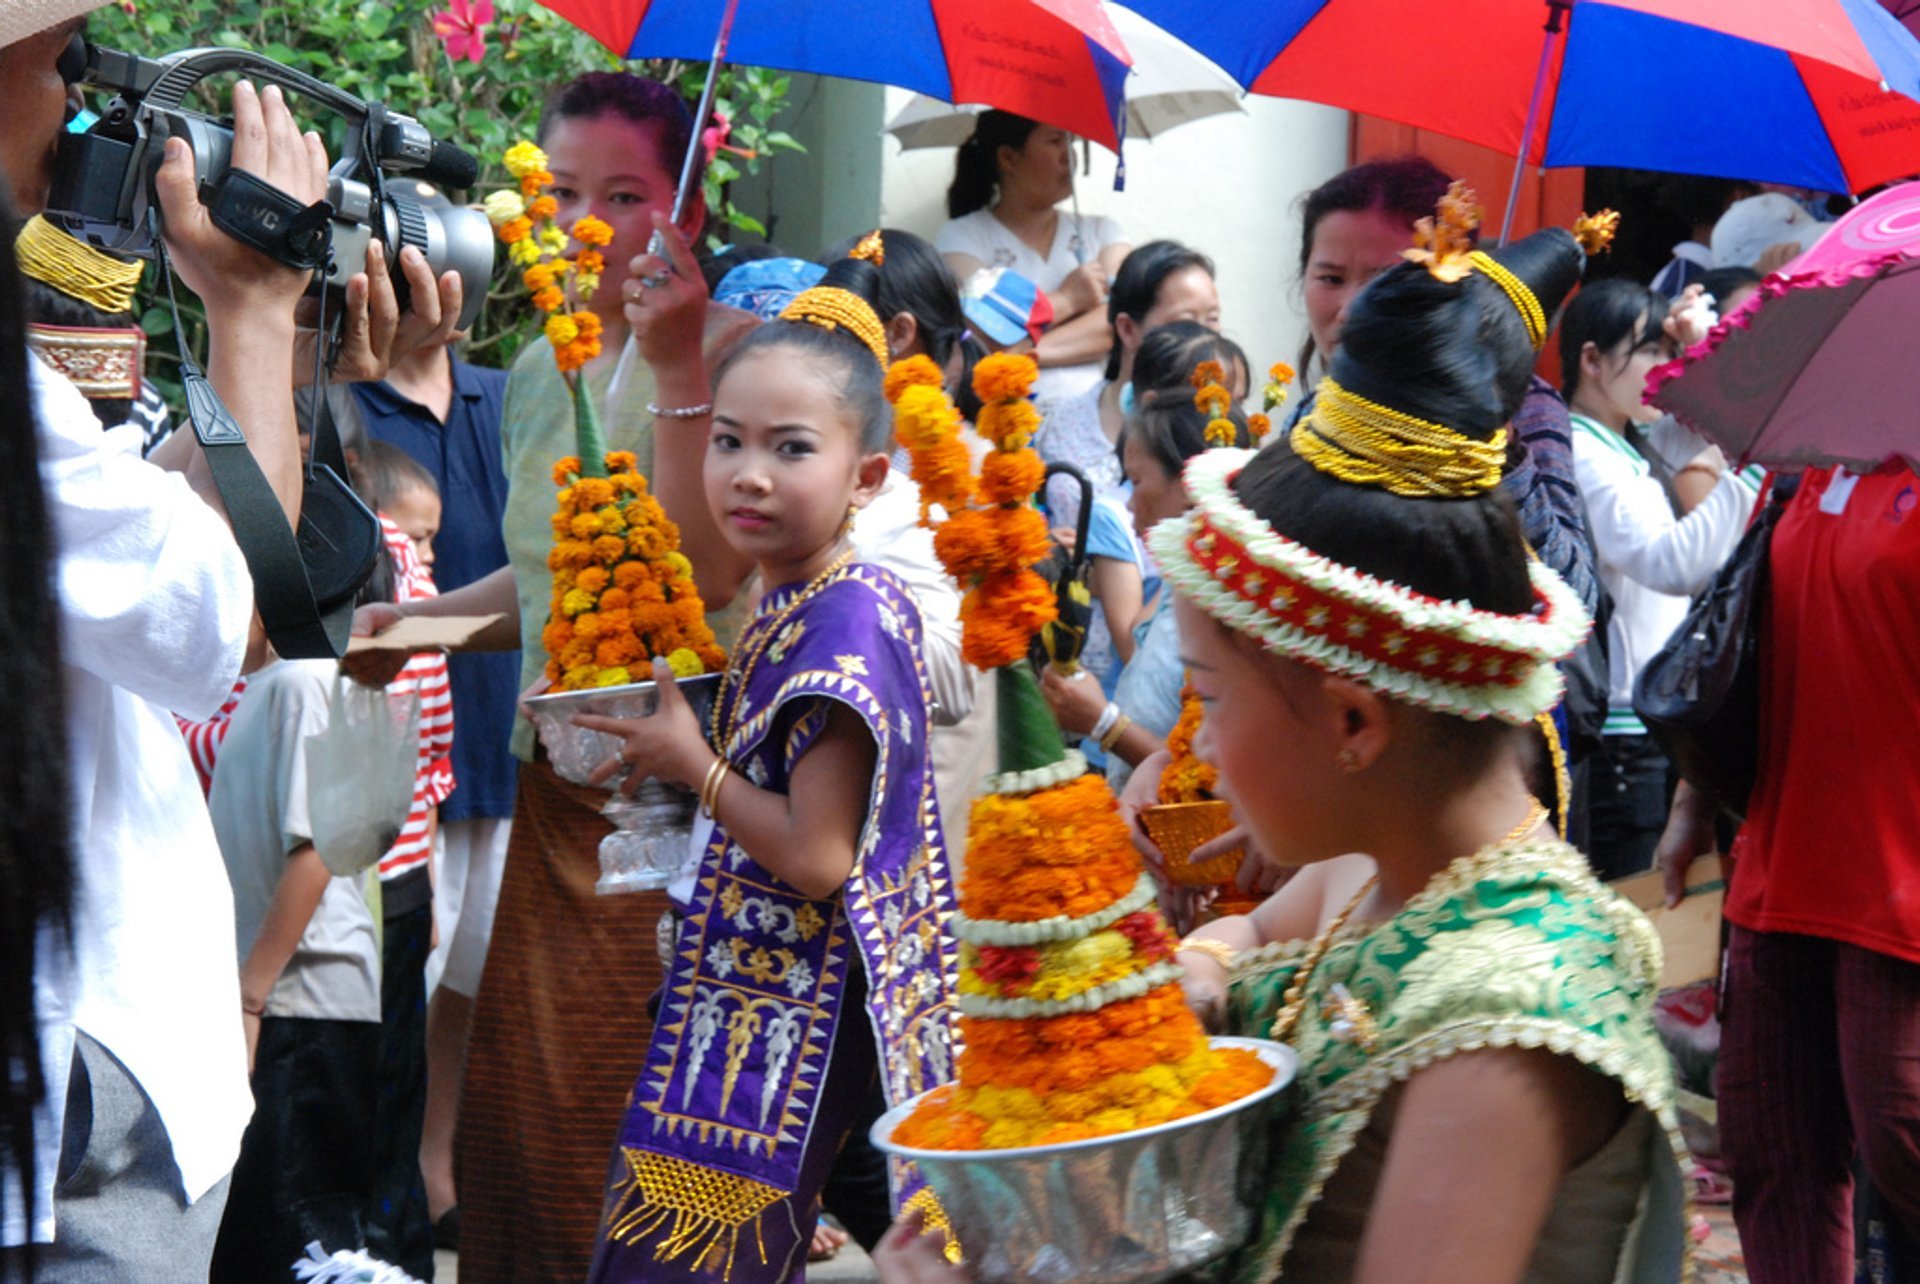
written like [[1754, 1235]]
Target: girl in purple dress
[[823, 888]]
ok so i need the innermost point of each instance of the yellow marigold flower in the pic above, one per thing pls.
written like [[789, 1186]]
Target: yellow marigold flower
[[515, 230], [1009, 424], [614, 677], [566, 470], [586, 283], [677, 562], [524, 252], [1280, 372], [593, 491], [542, 207], [503, 207], [621, 461], [1220, 432], [552, 240], [581, 675], [550, 299], [562, 329], [1212, 397], [593, 231], [612, 520], [523, 158], [538, 277], [912, 372], [1207, 372], [1004, 376], [575, 602], [530, 184], [1258, 426], [685, 663], [591, 261], [584, 526]]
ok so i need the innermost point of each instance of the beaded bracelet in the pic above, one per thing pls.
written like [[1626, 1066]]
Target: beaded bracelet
[[680, 412], [1217, 950]]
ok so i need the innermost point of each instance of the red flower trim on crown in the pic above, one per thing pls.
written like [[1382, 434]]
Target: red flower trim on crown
[[1447, 656]]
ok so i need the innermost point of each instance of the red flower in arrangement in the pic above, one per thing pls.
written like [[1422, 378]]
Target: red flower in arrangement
[[462, 28], [1008, 966]]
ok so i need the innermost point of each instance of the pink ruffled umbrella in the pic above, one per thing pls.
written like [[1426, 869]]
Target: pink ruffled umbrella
[[1818, 367]]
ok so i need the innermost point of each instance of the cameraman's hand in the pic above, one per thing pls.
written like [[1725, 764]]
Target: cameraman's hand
[[666, 302], [230, 278], [376, 333]]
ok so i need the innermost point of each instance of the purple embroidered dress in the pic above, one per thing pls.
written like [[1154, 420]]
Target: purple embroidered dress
[[760, 1057]]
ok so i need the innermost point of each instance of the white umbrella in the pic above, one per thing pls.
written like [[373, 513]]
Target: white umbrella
[[1171, 85]]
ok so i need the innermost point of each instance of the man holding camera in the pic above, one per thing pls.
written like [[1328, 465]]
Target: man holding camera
[[140, 1010]]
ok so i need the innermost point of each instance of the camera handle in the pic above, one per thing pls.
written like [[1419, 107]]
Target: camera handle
[[335, 529]]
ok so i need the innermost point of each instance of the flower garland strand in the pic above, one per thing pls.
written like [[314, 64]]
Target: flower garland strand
[[623, 593], [992, 547], [1185, 778], [1212, 399]]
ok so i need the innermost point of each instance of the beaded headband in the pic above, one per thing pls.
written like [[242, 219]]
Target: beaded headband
[[832, 308], [1524, 301], [101, 363], [47, 253], [1368, 444], [1450, 657]]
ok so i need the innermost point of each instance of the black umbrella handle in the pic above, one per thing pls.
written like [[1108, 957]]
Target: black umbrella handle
[[1085, 524]]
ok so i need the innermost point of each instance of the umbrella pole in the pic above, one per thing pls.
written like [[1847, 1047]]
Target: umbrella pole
[[684, 196], [1556, 13]]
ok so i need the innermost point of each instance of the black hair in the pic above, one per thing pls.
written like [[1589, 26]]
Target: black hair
[[1549, 264], [976, 166], [1172, 429], [853, 368], [1604, 314], [1722, 281], [966, 400], [1169, 353], [1405, 187], [638, 99], [36, 853], [916, 280], [1136, 287], [382, 472], [715, 266], [1427, 348]]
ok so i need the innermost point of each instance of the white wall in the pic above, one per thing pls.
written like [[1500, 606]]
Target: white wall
[[1228, 185]]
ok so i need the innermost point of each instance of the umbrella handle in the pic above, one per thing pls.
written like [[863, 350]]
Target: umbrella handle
[[1085, 524]]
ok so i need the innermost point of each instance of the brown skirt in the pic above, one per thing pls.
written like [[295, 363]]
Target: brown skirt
[[560, 1030]]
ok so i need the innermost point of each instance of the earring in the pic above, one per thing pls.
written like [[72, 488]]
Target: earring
[[846, 523], [1348, 760]]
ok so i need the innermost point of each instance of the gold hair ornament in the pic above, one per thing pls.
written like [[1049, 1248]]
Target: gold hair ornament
[[1595, 232], [1524, 300], [1368, 444], [1444, 240], [71, 266], [832, 308], [872, 249], [100, 362]]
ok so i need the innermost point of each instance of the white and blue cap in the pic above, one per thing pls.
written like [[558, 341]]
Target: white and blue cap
[[1005, 307]]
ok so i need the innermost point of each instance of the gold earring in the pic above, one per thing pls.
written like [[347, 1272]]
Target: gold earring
[[846, 523], [1349, 761]]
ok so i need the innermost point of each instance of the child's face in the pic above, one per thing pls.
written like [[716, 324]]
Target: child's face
[[416, 511], [784, 462]]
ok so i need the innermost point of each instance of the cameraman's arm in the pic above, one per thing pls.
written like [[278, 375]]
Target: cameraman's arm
[[249, 298]]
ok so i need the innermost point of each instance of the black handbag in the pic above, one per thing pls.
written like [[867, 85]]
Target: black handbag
[[1700, 694]]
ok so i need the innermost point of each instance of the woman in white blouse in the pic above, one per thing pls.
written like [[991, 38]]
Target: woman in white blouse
[[1003, 210]]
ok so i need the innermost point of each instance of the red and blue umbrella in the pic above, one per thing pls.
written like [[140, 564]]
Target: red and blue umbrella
[[1816, 93], [1055, 61]]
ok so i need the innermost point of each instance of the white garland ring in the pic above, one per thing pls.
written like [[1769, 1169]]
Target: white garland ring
[[1524, 684], [1046, 931]]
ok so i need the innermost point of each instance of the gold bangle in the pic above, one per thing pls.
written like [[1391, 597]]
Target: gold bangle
[[1112, 738], [710, 788], [1217, 950]]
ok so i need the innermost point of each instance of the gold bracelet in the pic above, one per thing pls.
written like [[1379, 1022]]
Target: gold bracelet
[[1112, 738], [1217, 950], [710, 789]]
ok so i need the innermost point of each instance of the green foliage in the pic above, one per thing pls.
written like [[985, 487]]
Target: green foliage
[[387, 50]]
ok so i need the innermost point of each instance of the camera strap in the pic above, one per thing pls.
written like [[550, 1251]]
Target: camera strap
[[303, 578], [258, 214]]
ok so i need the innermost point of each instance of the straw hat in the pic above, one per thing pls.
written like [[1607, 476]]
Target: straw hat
[[22, 18]]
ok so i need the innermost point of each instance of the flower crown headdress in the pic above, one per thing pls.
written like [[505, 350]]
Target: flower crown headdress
[[833, 308], [1450, 657]]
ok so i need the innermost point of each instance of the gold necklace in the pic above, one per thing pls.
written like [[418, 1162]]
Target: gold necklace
[[1295, 998], [746, 667]]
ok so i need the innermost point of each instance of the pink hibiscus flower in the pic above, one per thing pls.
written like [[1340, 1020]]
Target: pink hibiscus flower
[[462, 28]]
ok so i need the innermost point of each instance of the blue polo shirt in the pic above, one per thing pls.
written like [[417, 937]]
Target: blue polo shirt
[[464, 457]]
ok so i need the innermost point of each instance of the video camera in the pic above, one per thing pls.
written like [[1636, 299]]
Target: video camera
[[103, 179]]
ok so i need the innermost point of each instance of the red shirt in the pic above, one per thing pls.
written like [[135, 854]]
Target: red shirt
[[1832, 842]]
